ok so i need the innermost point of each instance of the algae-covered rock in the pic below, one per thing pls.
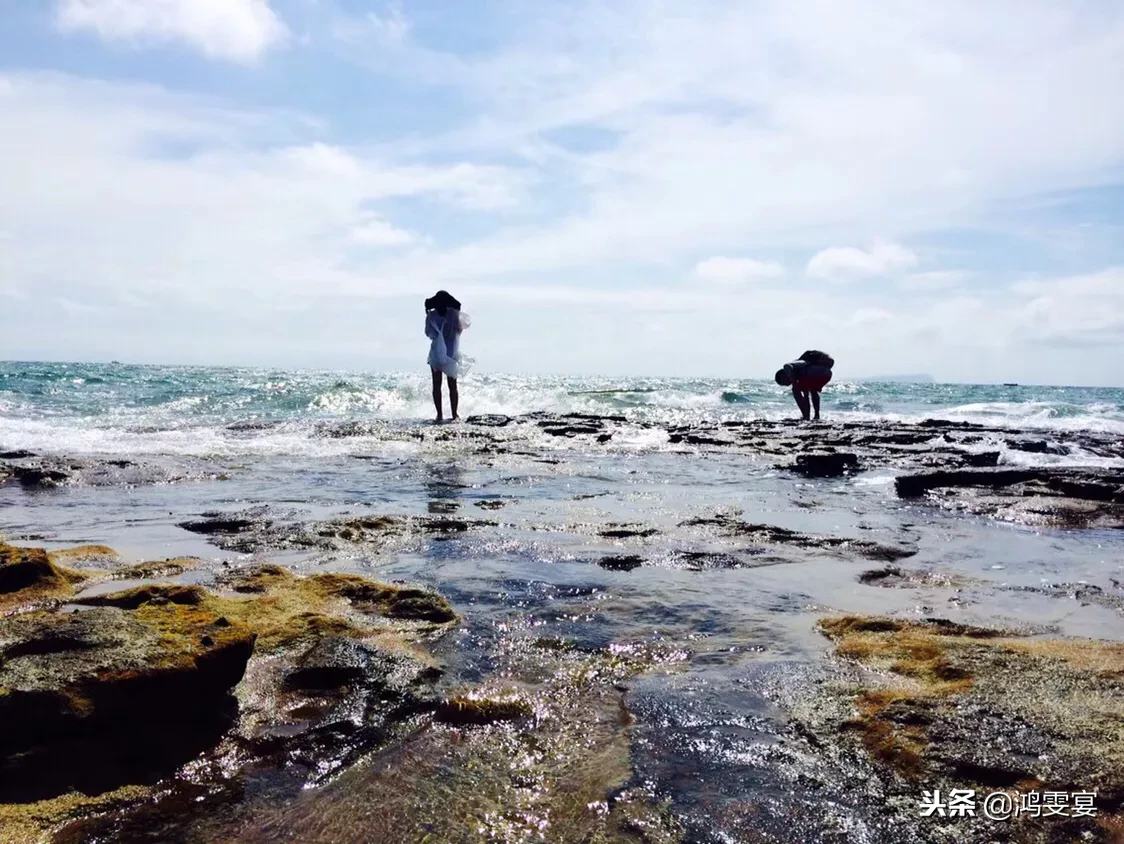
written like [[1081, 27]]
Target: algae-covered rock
[[959, 706], [84, 554], [28, 574], [102, 687]]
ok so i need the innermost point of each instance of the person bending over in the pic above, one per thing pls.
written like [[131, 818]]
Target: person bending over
[[444, 323], [807, 375]]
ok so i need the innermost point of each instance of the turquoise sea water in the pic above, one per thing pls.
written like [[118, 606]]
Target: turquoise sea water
[[121, 409]]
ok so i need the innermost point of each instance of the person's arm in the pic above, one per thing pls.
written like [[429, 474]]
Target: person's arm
[[430, 331]]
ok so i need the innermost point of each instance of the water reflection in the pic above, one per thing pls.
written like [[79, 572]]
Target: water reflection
[[443, 482]]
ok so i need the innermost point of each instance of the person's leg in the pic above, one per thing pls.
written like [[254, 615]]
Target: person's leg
[[437, 393], [454, 397], [801, 401], [815, 403]]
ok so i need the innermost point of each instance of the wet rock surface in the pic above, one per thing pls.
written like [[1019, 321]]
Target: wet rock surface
[[939, 704], [261, 530], [772, 535], [1072, 498], [52, 472], [130, 686], [631, 661], [99, 687]]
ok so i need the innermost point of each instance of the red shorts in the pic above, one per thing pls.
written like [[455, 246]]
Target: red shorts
[[812, 383]]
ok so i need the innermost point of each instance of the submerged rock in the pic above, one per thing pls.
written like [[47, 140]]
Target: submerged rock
[[626, 563], [894, 576], [774, 535], [36, 476], [258, 530], [469, 710], [138, 682]]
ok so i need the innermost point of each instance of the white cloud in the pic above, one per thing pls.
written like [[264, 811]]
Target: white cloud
[[1079, 311], [181, 199], [864, 318], [934, 280], [720, 270], [235, 30], [378, 232], [848, 263], [755, 126]]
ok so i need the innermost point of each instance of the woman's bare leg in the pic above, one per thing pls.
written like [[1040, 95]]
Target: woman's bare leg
[[816, 403], [437, 395], [453, 397]]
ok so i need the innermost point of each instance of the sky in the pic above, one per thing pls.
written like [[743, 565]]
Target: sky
[[614, 187]]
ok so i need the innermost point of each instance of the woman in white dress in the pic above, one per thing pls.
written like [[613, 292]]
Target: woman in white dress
[[444, 323]]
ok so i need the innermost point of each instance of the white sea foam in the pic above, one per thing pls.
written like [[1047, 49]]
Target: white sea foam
[[189, 411]]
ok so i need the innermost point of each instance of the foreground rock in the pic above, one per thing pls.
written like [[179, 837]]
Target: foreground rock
[[128, 686], [955, 706], [99, 688], [542, 755], [29, 575]]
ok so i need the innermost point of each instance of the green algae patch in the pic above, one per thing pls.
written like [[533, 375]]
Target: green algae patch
[[30, 823], [84, 554], [283, 608], [29, 575]]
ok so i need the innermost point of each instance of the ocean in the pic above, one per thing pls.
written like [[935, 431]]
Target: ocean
[[117, 409], [589, 512]]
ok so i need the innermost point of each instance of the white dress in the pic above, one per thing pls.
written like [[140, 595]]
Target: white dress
[[444, 333]]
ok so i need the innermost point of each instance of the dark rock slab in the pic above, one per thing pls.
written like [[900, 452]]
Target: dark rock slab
[[39, 477], [222, 526], [826, 464], [489, 421], [913, 486], [625, 563], [1071, 498], [627, 532], [774, 535]]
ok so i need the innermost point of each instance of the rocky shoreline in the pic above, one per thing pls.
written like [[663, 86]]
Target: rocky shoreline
[[196, 699]]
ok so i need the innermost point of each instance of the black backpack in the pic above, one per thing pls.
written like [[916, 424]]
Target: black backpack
[[816, 358]]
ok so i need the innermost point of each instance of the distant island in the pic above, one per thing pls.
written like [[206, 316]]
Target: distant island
[[902, 379]]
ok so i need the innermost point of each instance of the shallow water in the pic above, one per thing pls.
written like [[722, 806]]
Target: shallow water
[[706, 726]]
